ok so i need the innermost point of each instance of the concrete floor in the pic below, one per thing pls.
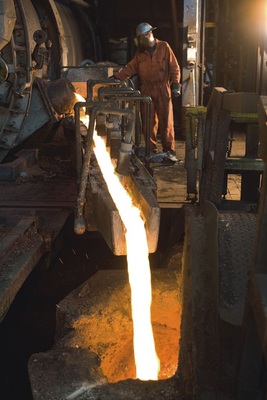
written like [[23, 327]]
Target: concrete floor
[[171, 178]]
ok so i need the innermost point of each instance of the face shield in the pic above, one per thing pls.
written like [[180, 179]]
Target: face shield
[[144, 42]]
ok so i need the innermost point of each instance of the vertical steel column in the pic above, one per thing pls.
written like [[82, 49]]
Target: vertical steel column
[[262, 54], [193, 45], [261, 253]]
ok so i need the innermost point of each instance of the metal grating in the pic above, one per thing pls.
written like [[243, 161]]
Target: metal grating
[[236, 235]]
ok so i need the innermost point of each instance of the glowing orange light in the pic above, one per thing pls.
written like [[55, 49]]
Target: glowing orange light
[[146, 359]]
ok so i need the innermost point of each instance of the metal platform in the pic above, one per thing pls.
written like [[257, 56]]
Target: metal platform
[[34, 206]]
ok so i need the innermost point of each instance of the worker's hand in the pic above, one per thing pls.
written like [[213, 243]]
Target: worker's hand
[[176, 93], [176, 90]]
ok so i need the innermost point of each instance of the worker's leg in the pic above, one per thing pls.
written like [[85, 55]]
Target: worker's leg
[[153, 126], [164, 111]]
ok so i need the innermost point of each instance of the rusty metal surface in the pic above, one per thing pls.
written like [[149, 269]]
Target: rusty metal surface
[[194, 126], [39, 194], [218, 256], [199, 357], [263, 128], [258, 299], [215, 146], [261, 249], [143, 188], [20, 250], [35, 204], [101, 213], [243, 102], [216, 166], [36, 188], [244, 164], [80, 75], [10, 171], [26, 234], [258, 284]]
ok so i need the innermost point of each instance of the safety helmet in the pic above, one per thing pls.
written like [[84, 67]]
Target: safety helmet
[[143, 28]]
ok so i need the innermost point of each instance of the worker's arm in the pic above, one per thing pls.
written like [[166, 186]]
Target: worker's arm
[[175, 74], [128, 70]]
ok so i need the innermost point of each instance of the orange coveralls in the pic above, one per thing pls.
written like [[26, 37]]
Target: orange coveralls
[[156, 73]]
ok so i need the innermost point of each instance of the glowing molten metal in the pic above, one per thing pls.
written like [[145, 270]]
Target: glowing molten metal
[[146, 359]]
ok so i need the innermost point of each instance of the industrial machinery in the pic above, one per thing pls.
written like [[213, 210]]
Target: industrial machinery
[[115, 113], [37, 41], [32, 59], [223, 264], [53, 48]]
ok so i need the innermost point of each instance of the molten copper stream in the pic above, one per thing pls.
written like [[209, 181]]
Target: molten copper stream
[[143, 361], [146, 359]]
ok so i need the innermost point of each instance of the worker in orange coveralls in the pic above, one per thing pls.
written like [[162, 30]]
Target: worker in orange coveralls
[[159, 72]]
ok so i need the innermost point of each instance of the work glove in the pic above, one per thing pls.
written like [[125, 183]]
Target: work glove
[[176, 90]]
